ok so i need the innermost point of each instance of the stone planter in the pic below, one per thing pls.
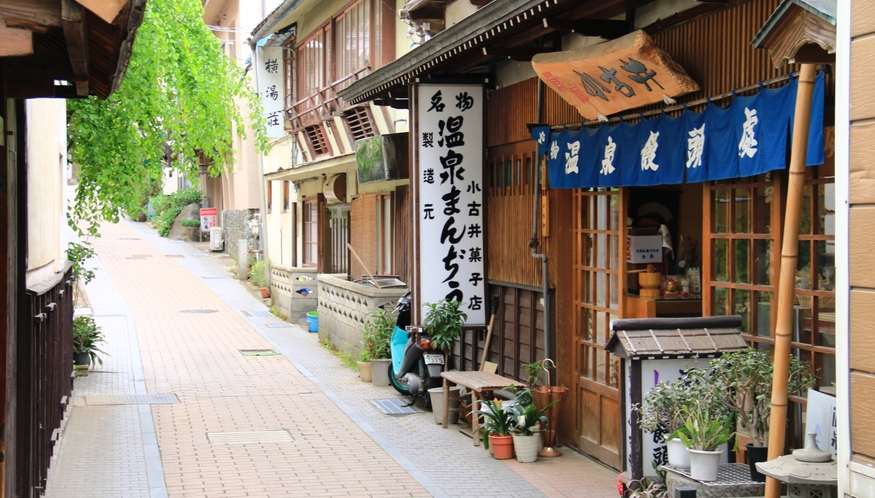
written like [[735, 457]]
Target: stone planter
[[380, 372]]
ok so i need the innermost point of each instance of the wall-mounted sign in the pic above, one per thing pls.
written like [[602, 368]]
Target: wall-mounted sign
[[270, 88], [621, 74], [450, 217]]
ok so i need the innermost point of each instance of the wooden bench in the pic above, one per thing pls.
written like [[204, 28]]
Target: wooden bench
[[476, 382]]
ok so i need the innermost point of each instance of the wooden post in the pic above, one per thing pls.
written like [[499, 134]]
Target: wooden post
[[787, 279]]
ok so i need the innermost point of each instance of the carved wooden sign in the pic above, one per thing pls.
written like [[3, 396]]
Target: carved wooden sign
[[621, 74]]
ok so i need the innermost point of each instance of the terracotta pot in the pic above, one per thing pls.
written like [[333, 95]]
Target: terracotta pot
[[265, 293], [502, 447]]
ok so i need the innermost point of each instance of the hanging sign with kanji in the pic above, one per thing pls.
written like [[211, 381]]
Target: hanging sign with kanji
[[611, 77], [271, 75]]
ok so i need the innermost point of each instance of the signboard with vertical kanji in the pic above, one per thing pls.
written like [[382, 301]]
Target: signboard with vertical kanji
[[450, 215], [270, 88], [208, 218]]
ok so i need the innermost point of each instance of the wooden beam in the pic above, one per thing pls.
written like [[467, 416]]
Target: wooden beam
[[35, 15], [73, 20], [15, 41], [587, 27], [105, 9], [516, 53]]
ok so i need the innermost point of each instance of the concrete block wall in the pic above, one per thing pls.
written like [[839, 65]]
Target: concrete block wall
[[285, 284], [344, 308]]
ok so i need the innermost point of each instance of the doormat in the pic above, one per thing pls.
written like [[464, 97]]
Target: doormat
[[395, 406]]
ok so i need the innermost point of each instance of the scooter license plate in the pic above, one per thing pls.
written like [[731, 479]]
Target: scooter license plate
[[433, 359]]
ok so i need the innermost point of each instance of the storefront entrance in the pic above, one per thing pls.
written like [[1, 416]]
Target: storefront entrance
[[598, 299]]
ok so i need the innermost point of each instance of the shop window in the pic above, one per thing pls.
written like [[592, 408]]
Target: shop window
[[354, 40]]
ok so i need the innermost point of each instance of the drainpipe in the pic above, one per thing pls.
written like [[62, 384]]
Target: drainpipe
[[262, 239], [533, 243]]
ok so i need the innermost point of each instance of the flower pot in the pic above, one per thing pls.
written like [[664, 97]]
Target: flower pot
[[502, 447], [678, 456], [756, 454], [526, 448], [380, 372], [265, 293], [437, 404], [365, 370], [81, 359], [704, 464]]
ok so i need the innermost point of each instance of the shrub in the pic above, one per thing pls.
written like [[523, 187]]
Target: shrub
[[168, 207], [86, 337], [376, 335], [257, 275], [190, 223]]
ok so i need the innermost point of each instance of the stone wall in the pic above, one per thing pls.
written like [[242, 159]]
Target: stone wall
[[236, 226], [287, 293], [344, 307]]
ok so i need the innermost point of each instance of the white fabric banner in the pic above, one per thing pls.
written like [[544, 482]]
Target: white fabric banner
[[270, 88], [451, 238]]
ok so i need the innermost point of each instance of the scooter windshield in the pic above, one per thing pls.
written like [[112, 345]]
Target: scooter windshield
[[398, 344]]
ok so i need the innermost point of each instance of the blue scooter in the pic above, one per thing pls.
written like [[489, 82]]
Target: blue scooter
[[416, 366]]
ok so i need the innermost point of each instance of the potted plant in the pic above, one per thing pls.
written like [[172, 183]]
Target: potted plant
[[86, 336], [742, 382], [443, 322], [703, 433], [526, 419], [497, 425], [376, 335], [665, 409], [258, 278]]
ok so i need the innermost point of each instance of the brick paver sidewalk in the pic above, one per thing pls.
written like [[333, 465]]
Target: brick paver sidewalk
[[295, 424]]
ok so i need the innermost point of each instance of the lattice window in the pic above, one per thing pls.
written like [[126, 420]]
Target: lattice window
[[360, 123], [317, 139]]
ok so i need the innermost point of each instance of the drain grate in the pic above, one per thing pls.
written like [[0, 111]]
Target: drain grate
[[258, 352], [395, 406], [135, 257], [141, 255], [199, 255], [257, 313], [174, 256], [199, 311], [251, 437], [131, 399], [278, 325]]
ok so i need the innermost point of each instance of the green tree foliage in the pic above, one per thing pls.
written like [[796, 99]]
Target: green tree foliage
[[179, 90]]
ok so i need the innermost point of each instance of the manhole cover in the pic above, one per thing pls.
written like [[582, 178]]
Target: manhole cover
[[251, 437], [278, 325], [395, 406], [174, 256], [131, 399], [141, 255], [258, 352], [199, 311], [257, 313]]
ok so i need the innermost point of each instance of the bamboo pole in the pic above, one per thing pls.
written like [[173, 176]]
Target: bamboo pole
[[787, 279], [357, 258]]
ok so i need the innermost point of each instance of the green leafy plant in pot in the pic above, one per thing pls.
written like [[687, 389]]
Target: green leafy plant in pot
[[86, 336], [527, 418], [742, 382], [376, 337], [443, 322], [498, 422], [703, 433]]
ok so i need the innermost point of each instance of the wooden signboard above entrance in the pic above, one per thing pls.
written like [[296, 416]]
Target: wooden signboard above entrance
[[614, 76]]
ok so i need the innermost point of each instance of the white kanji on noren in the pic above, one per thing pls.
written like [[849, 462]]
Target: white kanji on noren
[[696, 147], [648, 153], [571, 157], [747, 146], [608, 161], [542, 137], [554, 149]]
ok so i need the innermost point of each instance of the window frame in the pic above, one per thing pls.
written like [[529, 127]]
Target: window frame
[[310, 238]]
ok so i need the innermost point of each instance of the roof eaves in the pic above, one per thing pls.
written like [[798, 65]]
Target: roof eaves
[[452, 41], [267, 25], [825, 9]]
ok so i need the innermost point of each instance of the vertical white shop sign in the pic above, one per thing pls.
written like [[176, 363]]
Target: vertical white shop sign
[[451, 238], [270, 88]]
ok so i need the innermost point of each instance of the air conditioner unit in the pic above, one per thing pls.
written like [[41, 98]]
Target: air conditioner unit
[[216, 239]]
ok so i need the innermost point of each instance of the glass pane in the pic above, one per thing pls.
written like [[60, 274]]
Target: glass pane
[[721, 211], [825, 365], [517, 174], [615, 213], [614, 252], [825, 264], [587, 325], [743, 210], [720, 260], [614, 381], [762, 259], [803, 265], [743, 308], [762, 216], [600, 366], [805, 214], [826, 321], [742, 261], [602, 250], [720, 301], [587, 362], [590, 255], [600, 297], [602, 328], [615, 292], [762, 314]]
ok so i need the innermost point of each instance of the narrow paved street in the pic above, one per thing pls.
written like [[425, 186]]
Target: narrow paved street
[[177, 410]]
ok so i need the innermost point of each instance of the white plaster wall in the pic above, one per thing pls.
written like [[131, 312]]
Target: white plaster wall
[[46, 153], [457, 11]]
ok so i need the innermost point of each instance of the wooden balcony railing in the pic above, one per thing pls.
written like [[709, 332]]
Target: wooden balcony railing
[[322, 103]]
